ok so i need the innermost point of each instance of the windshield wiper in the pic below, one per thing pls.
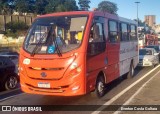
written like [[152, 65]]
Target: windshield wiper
[[56, 45], [36, 47], [54, 40], [38, 44]]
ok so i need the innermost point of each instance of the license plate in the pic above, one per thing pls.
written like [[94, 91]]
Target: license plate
[[44, 85]]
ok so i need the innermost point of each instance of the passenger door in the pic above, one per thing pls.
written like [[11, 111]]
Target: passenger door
[[113, 47], [96, 56]]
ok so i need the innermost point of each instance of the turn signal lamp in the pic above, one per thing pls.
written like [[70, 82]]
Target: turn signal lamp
[[26, 61]]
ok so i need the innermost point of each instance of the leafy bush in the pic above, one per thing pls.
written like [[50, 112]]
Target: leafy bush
[[11, 34], [14, 29]]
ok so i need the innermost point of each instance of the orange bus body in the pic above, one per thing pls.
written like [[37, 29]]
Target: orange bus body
[[75, 72]]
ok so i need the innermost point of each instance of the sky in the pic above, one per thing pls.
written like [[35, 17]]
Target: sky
[[128, 8]]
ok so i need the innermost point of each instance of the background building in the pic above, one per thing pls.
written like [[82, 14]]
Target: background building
[[150, 20]]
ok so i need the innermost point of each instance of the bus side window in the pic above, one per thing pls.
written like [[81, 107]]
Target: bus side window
[[113, 31], [133, 33], [96, 39], [96, 34], [124, 32]]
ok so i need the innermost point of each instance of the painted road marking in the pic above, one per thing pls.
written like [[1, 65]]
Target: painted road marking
[[122, 92], [8, 91], [10, 97], [139, 90]]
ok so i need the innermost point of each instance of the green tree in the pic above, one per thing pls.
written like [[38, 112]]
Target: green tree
[[2, 4], [6, 6], [32, 5], [51, 6], [61, 5], [40, 6], [70, 5], [84, 4], [108, 7], [22, 6], [14, 29]]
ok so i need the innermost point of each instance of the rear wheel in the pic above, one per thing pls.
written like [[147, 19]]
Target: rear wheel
[[158, 61], [131, 71], [153, 65], [11, 82], [100, 87]]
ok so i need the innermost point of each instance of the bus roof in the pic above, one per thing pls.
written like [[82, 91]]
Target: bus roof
[[100, 13], [96, 13], [122, 19], [67, 13]]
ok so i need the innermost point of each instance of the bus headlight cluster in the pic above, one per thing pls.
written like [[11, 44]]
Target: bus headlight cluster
[[74, 66], [75, 69]]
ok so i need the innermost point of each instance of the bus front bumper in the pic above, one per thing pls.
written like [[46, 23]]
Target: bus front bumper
[[65, 87]]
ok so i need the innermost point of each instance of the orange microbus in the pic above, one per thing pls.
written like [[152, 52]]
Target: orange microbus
[[74, 53]]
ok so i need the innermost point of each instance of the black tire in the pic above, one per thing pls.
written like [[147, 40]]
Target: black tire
[[100, 87], [131, 71], [158, 61], [11, 82], [153, 65]]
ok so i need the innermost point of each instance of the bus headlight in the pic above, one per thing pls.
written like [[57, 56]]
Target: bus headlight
[[74, 65], [26, 61], [75, 69]]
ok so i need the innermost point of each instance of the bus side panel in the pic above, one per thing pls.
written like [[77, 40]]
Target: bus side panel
[[128, 52], [95, 64], [112, 70]]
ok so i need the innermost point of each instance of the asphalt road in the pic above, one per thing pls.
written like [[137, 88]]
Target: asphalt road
[[112, 96]]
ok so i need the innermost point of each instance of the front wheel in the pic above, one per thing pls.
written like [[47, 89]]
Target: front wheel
[[11, 82], [100, 87]]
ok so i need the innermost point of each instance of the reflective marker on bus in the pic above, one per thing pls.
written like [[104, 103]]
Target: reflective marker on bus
[[74, 53]]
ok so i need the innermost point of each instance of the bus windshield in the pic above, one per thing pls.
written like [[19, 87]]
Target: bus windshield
[[50, 35]]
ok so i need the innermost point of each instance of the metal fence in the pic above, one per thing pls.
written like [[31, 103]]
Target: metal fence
[[4, 19]]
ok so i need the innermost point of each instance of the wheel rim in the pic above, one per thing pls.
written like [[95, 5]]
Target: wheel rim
[[100, 87], [12, 82]]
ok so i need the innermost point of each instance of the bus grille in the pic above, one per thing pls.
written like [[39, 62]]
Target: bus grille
[[36, 68], [44, 78], [48, 90]]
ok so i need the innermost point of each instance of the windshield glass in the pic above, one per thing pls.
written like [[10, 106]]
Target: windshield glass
[[145, 52], [49, 35]]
